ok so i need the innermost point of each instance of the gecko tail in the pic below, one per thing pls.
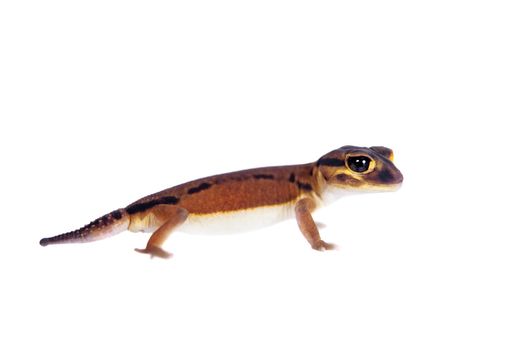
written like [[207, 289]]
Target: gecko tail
[[108, 225]]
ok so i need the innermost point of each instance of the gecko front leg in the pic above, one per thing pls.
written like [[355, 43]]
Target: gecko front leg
[[303, 209], [176, 218]]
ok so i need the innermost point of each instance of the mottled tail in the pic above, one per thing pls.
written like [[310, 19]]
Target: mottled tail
[[105, 226]]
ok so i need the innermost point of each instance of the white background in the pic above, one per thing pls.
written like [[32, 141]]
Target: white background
[[103, 102]]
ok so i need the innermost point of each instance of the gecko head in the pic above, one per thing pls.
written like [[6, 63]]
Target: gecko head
[[360, 169]]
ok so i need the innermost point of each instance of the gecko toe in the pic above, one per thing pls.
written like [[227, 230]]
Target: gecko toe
[[155, 252], [322, 246]]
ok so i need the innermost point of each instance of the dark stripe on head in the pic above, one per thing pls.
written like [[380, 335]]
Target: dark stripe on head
[[330, 162], [263, 176], [304, 186], [292, 177], [140, 207], [201, 187]]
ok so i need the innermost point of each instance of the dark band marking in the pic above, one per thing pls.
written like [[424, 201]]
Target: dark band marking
[[117, 215], [263, 176], [330, 162], [292, 177], [304, 186], [201, 187], [140, 207], [103, 221]]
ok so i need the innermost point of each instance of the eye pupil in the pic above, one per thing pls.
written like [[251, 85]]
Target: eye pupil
[[358, 164]]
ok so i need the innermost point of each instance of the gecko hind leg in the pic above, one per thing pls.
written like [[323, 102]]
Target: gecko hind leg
[[153, 247], [307, 225]]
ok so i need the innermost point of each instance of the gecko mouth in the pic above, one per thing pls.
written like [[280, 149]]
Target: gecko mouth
[[398, 179], [395, 187]]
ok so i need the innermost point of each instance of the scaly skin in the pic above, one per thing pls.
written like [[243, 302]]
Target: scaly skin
[[298, 189]]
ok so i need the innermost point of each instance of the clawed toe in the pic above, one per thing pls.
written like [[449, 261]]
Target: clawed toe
[[155, 252], [322, 245]]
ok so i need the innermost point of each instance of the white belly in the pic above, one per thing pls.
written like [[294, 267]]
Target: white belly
[[238, 221]]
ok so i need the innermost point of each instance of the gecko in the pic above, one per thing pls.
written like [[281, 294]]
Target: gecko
[[248, 199]]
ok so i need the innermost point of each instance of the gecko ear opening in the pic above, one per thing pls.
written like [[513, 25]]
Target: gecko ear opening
[[384, 151]]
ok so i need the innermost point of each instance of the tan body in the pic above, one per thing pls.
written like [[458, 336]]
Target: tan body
[[278, 192]]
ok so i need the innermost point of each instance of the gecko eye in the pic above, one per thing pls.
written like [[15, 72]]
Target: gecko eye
[[358, 164]]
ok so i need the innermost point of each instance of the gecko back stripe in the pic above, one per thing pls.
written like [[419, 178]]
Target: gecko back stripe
[[201, 187], [263, 176], [140, 207]]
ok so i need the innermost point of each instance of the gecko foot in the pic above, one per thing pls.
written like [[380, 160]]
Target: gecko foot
[[155, 252], [322, 246]]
